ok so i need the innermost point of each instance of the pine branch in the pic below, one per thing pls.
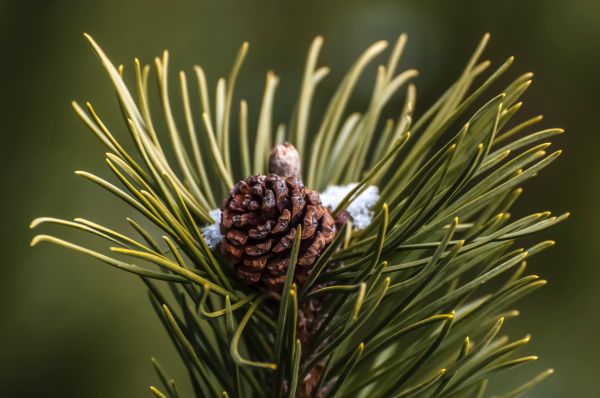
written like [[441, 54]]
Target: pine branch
[[401, 308]]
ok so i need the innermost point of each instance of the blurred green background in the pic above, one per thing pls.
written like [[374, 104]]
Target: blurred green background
[[71, 327]]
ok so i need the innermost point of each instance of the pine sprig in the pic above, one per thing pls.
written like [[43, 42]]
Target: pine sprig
[[405, 305]]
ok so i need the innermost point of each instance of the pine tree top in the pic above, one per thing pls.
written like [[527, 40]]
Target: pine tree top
[[399, 304]]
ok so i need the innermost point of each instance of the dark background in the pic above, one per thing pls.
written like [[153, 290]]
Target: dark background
[[71, 327]]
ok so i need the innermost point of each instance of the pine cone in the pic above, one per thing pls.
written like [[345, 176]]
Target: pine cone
[[309, 320], [259, 220]]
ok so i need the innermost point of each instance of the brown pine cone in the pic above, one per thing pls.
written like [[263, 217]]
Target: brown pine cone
[[259, 220]]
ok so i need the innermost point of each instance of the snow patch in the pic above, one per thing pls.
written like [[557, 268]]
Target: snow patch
[[212, 233], [359, 209]]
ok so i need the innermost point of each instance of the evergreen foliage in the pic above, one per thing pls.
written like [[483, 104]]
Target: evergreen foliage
[[410, 306]]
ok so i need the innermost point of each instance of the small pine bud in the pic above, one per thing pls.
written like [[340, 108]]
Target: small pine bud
[[284, 161]]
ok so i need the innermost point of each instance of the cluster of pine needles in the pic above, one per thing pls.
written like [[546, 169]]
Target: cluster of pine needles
[[411, 306]]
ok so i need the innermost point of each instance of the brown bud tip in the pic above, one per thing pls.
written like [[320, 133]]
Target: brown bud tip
[[284, 161]]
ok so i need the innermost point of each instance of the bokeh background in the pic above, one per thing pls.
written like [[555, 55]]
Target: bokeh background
[[71, 327]]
